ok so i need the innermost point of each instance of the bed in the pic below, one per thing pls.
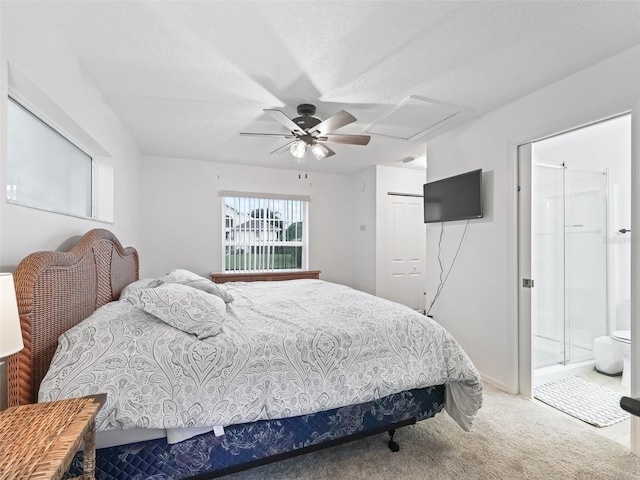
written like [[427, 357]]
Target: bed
[[287, 397]]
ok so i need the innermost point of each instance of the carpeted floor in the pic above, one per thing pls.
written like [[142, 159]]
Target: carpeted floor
[[512, 438]]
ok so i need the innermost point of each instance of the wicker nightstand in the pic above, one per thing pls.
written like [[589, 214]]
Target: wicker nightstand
[[38, 441]]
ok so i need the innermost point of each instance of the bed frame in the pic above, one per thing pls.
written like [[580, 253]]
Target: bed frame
[[57, 290]]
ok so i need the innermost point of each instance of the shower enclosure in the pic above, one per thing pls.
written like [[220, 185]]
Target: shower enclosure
[[569, 262]]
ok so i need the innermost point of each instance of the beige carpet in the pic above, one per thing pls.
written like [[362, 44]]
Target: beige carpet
[[512, 438]]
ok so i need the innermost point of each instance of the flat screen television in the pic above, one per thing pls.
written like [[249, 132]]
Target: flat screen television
[[453, 198]]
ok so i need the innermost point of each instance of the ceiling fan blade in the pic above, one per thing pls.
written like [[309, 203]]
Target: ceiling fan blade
[[284, 148], [334, 122], [284, 120], [280, 135], [348, 139]]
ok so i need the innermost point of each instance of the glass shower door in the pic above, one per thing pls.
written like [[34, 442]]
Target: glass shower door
[[547, 265], [569, 262], [585, 260]]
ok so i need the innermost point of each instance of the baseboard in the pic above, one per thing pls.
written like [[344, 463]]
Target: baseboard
[[494, 382]]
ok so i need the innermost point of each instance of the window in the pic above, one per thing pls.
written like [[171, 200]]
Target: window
[[45, 170], [264, 232]]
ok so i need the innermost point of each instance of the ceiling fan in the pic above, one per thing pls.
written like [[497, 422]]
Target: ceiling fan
[[310, 133]]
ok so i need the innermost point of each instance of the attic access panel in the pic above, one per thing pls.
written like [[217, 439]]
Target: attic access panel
[[413, 118]]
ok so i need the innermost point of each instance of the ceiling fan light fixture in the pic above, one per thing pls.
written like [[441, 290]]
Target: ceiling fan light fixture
[[306, 131], [318, 151], [298, 149]]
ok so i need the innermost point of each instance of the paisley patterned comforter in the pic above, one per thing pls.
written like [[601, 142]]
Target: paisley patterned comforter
[[286, 349]]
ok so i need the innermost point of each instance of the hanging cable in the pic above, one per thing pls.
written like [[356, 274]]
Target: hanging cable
[[442, 282]]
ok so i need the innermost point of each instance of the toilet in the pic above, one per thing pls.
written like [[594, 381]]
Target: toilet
[[622, 340]]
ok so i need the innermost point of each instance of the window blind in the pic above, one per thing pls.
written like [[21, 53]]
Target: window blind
[[264, 232]]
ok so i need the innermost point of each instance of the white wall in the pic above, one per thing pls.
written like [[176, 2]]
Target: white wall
[[479, 303], [35, 48], [364, 257], [182, 210]]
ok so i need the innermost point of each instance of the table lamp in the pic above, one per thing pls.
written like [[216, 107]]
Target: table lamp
[[10, 332]]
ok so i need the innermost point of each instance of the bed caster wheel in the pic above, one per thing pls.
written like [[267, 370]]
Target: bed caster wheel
[[393, 445]]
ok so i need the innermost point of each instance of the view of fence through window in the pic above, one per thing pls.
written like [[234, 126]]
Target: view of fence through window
[[263, 234]]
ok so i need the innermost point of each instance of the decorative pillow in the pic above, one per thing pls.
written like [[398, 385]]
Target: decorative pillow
[[208, 286], [185, 277], [181, 275], [185, 308]]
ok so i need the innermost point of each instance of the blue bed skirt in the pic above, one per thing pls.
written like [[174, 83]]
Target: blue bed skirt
[[252, 444]]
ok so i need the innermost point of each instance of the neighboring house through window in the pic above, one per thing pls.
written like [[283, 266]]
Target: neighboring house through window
[[264, 232]]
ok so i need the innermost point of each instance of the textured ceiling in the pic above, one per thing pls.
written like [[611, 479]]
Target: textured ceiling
[[187, 77]]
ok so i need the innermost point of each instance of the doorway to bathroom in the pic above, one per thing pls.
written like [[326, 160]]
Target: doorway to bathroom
[[577, 195], [580, 244]]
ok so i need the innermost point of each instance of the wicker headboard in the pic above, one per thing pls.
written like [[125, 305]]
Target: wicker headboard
[[56, 291]]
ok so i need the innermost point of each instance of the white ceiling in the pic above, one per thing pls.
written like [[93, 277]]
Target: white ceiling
[[187, 77]]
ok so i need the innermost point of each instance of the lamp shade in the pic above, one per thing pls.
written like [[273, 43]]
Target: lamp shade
[[319, 151], [10, 332]]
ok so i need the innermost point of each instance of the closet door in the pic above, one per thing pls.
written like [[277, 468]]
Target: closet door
[[403, 238]]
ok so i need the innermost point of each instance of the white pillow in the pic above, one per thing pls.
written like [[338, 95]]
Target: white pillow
[[133, 289], [185, 308], [181, 275], [185, 277], [210, 287]]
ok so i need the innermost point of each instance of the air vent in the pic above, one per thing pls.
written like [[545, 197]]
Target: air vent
[[413, 118]]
